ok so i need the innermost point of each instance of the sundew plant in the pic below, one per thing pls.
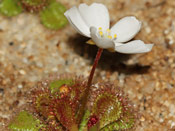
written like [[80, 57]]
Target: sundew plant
[[93, 22], [71, 103]]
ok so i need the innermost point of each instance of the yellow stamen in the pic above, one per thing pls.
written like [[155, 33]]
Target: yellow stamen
[[101, 33], [100, 28], [115, 36], [109, 36], [108, 30]]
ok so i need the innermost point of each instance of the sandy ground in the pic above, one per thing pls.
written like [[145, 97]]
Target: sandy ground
[[29, 52]]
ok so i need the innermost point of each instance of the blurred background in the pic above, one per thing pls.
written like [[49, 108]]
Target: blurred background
[[29, 52]]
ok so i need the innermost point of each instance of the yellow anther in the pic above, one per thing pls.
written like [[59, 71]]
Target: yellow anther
[[115, 36], [108, 30], [100, 28], [109, 36], [101, 33]]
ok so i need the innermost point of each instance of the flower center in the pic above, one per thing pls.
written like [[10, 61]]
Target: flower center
[[107, 34]]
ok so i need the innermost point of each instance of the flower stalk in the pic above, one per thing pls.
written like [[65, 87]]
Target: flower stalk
[[89, 83], [100, 50]]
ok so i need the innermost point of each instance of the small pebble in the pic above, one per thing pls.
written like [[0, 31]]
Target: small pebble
[[11, 43], [1, 91], [22, 72], [172, 124], [20, 86], [142, 119]]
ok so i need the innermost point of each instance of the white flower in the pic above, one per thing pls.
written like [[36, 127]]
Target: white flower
[[93, 22]]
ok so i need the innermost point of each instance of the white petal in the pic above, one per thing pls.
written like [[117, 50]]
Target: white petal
[[136, 46], [100, 42], [76, 21], [126, 28], [95, 15]]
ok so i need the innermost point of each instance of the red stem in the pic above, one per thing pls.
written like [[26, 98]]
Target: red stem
[[86, 94], [100, 50]]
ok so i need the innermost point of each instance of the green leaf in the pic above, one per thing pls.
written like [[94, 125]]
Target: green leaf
[[94, 128], [55, 85], [125, 122], [42, 105], [25, 122], [10, 7], [53, 16], [65, 113], [108, 108]]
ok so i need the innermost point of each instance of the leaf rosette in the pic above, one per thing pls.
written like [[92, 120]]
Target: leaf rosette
[[57, 102]]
